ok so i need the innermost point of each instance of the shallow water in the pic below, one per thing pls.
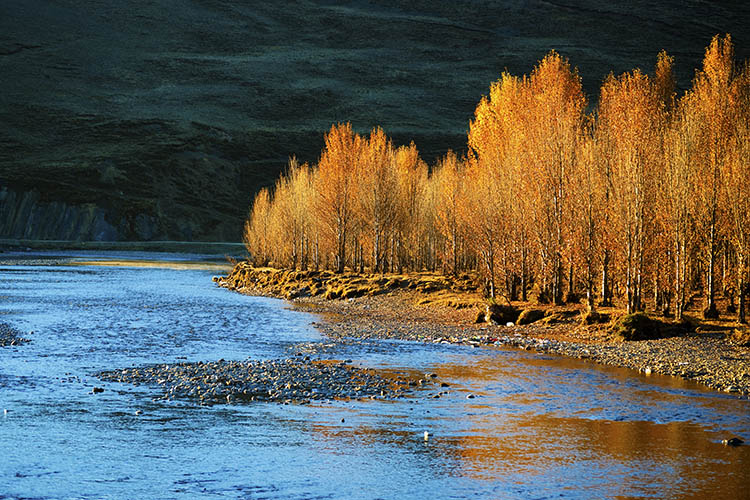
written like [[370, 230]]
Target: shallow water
[[538, 426]]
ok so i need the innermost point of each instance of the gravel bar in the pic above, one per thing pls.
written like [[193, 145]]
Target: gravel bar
[[280, 380], [9, 336]]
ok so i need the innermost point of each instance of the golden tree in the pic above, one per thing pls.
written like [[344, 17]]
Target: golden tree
[[334, 187], [709, 101], [589, 205], [448, 180], [377, 188], [630, 127], [256, 236], [552, 127], [676, 202], [736, 186], [412, 218]]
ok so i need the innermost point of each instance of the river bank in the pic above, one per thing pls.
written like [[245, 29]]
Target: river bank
[[706, 357]]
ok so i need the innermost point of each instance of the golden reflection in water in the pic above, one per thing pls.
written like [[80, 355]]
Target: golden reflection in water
[[157, 264], [672, 460]]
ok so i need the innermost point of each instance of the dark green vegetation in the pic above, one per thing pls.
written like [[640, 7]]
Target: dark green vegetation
[[159, 120]]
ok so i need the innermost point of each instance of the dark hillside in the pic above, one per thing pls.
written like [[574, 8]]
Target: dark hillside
[[159, 119]]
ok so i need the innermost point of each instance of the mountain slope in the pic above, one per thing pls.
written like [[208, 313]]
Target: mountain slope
[[175, 112]]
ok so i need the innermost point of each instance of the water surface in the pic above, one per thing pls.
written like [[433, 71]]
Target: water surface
[[537, 426]]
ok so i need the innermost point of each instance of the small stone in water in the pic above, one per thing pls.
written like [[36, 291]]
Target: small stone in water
[[97, 390], [732, 441]]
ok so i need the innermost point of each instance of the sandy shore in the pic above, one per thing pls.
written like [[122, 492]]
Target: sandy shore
[[705, 357]]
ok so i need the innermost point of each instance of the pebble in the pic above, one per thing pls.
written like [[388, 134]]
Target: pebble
[[732, 442]]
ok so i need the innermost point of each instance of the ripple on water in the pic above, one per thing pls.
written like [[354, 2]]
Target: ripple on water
[[538, 427]]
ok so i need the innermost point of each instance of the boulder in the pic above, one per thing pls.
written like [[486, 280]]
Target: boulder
[[594, 317], [711, 313], [529, 316], [638, 326], [501, 314]]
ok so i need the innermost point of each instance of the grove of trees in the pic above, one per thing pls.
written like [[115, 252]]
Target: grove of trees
[[644, 198]]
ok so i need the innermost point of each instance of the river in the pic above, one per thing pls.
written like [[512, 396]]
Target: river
[[537, 426]]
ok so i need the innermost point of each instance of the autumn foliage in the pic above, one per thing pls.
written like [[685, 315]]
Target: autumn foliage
[[644, 199]]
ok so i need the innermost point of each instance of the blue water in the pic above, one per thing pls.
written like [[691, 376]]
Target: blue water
[[538, 426]]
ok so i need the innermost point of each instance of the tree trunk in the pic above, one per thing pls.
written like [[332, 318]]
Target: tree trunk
[[710, 284], [742, 288], [606, 295], [570, 279], [524, 283]]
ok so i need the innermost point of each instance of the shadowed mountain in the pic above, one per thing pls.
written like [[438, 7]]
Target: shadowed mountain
[[160, 119]]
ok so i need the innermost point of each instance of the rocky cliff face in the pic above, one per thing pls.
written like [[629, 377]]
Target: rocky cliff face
[[176, 112], [24, 215]]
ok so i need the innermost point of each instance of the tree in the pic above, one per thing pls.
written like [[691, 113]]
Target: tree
[[335, 185], [412, 218], [630, 126], [448, 179], [709, 101], [588, 209], [552, 127], [256, 228], [736, 186], [377, 188]]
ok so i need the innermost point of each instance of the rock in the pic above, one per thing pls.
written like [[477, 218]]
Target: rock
[[735, 441], [480, 318], [594, 317], [97, 390], [529, 316], [637, 326], [501, 314], [711, 313]]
